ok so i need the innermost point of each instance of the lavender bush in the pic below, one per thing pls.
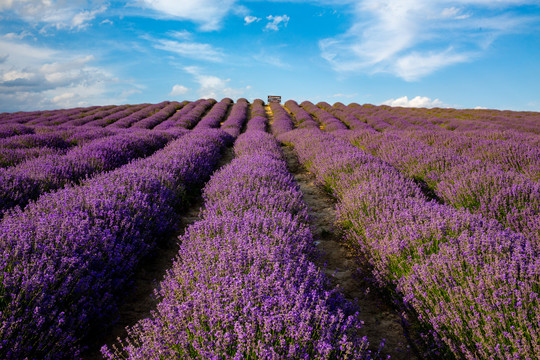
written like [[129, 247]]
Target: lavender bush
[[327, 120], [302, 118], [12, 129], [215, 115], [242, 286], [441, 260], [235, 121], [160, 116], [257, 119], [67, 259], [117, 115], [282, 120], [28, 180], [137, 116]]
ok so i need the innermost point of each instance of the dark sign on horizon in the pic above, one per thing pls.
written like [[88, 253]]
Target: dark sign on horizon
[[274, 99]]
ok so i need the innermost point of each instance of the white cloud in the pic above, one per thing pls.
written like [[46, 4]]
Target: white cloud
[[19, 36], [416, 65], [67, 72], [414, 38], [181, 35], [418, 101], [276, 21], [207, 13], [178, 90], [63, 97], [249, 19], [192, 50], [454, 13], [60, 14], [23, 54], [15, 75], [33, 77], [450, 12], [82, 19], [212, 86]]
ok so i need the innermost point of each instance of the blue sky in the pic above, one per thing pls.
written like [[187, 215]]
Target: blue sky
[[464, 53]]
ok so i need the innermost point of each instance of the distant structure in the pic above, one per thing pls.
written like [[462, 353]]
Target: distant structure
[[274, 99]]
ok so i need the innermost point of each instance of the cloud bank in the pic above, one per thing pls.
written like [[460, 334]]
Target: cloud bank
[[73, 14], [34, 77], [178, 90], [417, 102], [190, 49], [213, 86], [207, 13], [412, 39]]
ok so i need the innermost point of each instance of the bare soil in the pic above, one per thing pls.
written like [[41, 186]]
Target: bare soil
[[381, 321]]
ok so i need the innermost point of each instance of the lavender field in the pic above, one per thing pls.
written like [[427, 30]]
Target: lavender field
[[294, 231]]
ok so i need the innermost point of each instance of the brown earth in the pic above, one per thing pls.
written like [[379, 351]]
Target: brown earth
[[381, 321]]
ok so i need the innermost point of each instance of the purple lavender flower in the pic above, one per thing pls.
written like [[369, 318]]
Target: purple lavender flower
[[67, 260], [242, 286], [474, 282]]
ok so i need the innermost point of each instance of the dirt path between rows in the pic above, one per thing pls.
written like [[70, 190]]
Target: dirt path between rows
[[381, 321], [150, 273]]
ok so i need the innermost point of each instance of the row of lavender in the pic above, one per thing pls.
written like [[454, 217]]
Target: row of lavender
[[145, 116], [28, 180], [506, 147], [113, 116], [242, 285], [27, 144], [19, 143], [39, 162], [471, 182], [473, 281], [67, 259], [330, 119]]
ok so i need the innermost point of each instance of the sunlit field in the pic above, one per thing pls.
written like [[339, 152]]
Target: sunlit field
[[236, 230]]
